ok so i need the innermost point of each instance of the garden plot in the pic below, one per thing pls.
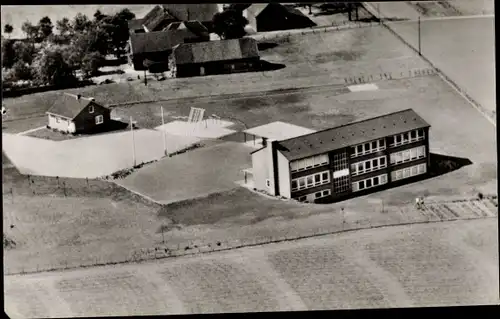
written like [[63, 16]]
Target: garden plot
[[417, 265]]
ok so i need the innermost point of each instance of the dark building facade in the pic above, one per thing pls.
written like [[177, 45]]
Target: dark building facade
[[158, 46], [215, 57], [357, 158]]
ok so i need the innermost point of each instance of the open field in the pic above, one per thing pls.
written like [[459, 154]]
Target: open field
[[464, 49], [16, 15], [454, 263], [315, 59], [241, 214]]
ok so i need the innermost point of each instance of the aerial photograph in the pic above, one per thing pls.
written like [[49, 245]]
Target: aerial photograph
[[164, 159]]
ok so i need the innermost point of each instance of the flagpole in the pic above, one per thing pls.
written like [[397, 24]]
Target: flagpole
[[133, 139], [163, 132]]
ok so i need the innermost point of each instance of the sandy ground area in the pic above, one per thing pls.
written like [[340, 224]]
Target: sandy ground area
[[443, 264], [190, 175], [89, 157]]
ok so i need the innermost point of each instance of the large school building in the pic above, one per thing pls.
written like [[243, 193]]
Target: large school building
[[343, 161]]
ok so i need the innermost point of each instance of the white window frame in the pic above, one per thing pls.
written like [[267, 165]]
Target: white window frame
[[322, 193], [97, 122], [309, 162], [355, 171], [410, 172], [382, 179], [91, 109], [57, 119], [413, 154], [314, 183], [366, 148], [419, 133]]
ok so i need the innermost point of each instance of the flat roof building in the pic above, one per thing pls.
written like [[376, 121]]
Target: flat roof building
[[335, 163]]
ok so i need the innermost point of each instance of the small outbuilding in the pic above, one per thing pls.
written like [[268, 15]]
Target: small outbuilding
[[76, 114], [215, 57]]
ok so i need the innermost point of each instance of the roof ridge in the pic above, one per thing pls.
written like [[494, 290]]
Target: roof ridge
[[348, 124]]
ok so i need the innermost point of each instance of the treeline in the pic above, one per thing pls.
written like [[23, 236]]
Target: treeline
[[63, 54]]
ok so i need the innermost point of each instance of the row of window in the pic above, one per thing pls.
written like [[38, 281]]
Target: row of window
[[341, 184], [309, 162], [310, 181], [409, 172], [406, 138], [368, 166], [367, 148], [317, 195], [99, 119], [408, 155], [369, 183]]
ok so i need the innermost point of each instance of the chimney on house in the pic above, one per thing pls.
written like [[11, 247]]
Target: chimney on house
[[78, 96], [264, 141]]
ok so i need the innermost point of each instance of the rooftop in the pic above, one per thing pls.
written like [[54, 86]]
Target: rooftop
[[351, 134], [222, 50], [69, 105], [278, 131]]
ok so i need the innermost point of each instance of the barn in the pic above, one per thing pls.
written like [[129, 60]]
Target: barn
[[215, 57], [76, 114]]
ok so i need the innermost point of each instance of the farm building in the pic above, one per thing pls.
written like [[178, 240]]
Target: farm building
[[215, 57], [76, 114], [264, 17], [162, 15], [343, 161], [157, 46]]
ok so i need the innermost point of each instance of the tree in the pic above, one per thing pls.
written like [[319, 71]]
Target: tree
[[98, 15], [63, 26], [229, 24], [31, 31], [95, 40], [52, 69], [8, 29], [24, 52], [22, 71], [8, 53], [116, 26], [45, 28], [91, 63], [81, 23]]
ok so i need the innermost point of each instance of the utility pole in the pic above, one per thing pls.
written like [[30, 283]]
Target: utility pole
[[419, 43], [163, 133], [378, 11], [133, 139]]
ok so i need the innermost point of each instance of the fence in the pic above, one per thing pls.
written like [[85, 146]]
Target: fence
[[389, 76], [490, 115], [345, 25], [407, 215]]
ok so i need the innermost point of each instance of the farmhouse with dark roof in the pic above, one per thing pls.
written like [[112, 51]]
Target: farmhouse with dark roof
[[351, 159], [76, 114]]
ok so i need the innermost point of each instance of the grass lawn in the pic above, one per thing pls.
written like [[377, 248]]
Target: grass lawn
[[313, 59], [428, 265], [464, 49]]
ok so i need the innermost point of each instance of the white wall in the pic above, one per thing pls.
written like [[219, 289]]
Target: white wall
[[259, 169], [284, 176], [63, 124]]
